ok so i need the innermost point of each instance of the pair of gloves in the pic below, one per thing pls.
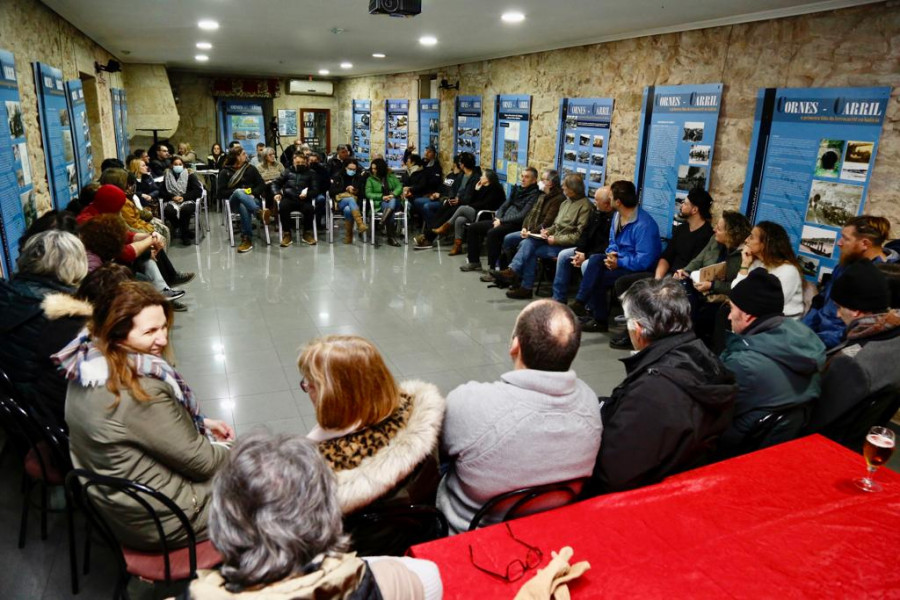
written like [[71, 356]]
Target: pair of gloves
[[552, 580]]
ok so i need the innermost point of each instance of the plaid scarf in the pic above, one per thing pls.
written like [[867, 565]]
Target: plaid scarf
[[83, 362]]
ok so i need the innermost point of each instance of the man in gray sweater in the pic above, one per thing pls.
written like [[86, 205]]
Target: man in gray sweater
[[540, 424]]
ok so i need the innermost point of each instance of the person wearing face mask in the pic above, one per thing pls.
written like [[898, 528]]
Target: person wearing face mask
[[181, 189], [345, 189], [296, 189]]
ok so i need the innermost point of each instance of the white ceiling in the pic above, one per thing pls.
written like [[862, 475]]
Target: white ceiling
[[293, 37]]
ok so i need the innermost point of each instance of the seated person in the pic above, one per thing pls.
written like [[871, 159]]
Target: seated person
[[383, 189], [38, 316], [270, 170], [159, 159], [769, 246], [257, 158], [508, 219], [464, 188], [323, 183], [859, 366], [338, 161], [862, 237], [594, 239], [294, 191], [276, 521], [146, 189], [775, 360], [180, 189], [488, 195], [187, 154], [137, 217], [426, 206], [540, 424], [216, 158], [346, 187], [131, 415], [563, 233], [243, 188], [379, 438], [634, 246], [675, 401], [103, 237]]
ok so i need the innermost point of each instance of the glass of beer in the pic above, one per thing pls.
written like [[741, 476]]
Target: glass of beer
[[877, 450]]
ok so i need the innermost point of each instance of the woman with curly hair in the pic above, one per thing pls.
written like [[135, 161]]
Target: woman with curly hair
[[768, 246], [103, 238]]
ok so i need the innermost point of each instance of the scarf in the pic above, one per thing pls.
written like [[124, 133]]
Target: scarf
[[83, 362], [177, 186], [238, 175]]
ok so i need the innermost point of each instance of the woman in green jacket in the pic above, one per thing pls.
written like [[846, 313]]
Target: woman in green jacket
[[384, 190]]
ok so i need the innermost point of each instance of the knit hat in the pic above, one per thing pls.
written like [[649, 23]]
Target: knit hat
[[108, 199], [863, 287], [760, 294]]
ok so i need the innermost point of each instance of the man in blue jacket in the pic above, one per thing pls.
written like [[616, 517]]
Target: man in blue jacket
[[634, 246]]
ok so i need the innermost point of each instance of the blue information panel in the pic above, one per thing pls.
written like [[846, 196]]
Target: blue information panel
[[17, 203], [244, 123], [511, 117], [81, 134], [675, 146], [467, 136], [584, 138], [396, 131], [362, 131], [56, 132], [120, 122], [810, 162], [429, 124]]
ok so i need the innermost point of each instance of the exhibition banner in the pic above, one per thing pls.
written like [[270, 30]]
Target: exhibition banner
[[56, 133], [287, 123], [511, 116], [120, 122], [675, 147], [81, 135], [362, 131], [810, 163], [244, 122], [583, 139], [467, 126], [18, 208], [396, 131], [429, 124]]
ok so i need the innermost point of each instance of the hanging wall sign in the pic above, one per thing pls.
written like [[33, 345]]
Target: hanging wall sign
[[511, 117], [362, 131], [467, 136], [81, 134], [429, 124], [396, 131], [120, 122], [287, 123], [244, 123], [583, 139], [675, 146], [59, 150], [810, 164]]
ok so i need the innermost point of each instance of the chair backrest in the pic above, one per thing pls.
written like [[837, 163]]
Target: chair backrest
[[850, 429], [527, 501], [391, 530], [49, 442], [775, 427], [82, 483]]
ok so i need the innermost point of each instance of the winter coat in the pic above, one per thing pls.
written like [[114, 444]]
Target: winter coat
[[192, 194], [570, 221], [341, 181], [293, 181], [375, 188], [250, 179], [595, 237], [517, 206], [544, 211], [466, 193], [488, 197], [712, 254], [433, 178], [638, 245], [666, 416]]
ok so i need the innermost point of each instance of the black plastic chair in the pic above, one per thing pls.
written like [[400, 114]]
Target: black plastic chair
[[390, 531], [528, 501], [850, 429], [775, 427], [165, 566]]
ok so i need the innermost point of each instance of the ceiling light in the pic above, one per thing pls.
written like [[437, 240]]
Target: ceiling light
[[346, 65], [208, 25], [324, 71], [428, 40], [512, 16], [204, 45], [379, 55], [201, 58]]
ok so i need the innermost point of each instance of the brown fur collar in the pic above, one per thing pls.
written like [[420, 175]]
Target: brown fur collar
[[60, 306]]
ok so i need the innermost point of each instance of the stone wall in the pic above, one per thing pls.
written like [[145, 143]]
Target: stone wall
[[849, 47], [32, 32], [151, 104]]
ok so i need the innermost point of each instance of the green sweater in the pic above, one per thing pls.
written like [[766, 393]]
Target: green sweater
[[710, 256], [375, 190], [570, 221]]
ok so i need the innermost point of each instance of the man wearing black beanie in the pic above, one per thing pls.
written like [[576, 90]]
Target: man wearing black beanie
[[863, 365], [775, 360]]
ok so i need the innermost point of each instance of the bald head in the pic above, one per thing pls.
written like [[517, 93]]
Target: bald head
[[547, 335], [603, 199]]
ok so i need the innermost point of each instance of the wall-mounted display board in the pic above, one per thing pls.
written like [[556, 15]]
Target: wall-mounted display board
[[243, 121], [120, 122], [583, 139], [17, 203], [316, 128], [429, 124], [467, 126], [675, 146], [362, 131], [511, 118], [56, 132], [396, 131], [81, 134], [810, 163], [287, 123]]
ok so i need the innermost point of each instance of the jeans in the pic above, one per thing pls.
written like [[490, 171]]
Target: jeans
[[596, 284], [347, 206], [525, 261], [462, 216], [563, 276], [426, 207], [247, 206], [509, 246], [320, 207]]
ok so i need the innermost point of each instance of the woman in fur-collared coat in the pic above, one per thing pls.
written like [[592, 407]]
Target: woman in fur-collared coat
[[380, 438]]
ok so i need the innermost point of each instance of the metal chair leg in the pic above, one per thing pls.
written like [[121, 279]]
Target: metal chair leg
[[73, 557], [44, 506], [23, 526]]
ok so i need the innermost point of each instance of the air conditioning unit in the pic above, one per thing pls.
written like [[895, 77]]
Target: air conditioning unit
[[310, 88]]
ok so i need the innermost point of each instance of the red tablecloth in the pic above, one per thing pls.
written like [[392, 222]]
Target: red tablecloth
[[783, 522]]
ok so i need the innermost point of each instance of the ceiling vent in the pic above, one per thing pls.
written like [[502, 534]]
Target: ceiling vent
[[307, 87]]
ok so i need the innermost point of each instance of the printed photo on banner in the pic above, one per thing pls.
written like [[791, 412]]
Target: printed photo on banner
[[833, 203], [856, 162], [584, 156], [434, 125], [596, 177], [16, 156], [693, 131], [581, 170], [569, 155], [22, 150], [690, 177], [73, 179], [584, 140], [570, 139], [828, 161], [20, 178], [809, 265], [68, 148], [14, 116], [818, 241], [597, 160], [63, 117], [29, 207], [598, 141], [699, 155], [825, 271]]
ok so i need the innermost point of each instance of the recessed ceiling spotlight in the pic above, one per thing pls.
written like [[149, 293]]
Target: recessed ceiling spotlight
[[204, 45], [324, 71], [208, 25], [379, 55], [201, 58], [428, 40], [512, 16], [346, 65]]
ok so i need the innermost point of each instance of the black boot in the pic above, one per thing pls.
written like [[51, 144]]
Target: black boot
[[391, 232], [385, 217]]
